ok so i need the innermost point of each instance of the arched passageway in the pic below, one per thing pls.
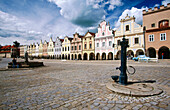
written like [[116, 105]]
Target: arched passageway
[[165, 52], [79, 57], [92, 56], [85, 56], [98, 56], [139, 52], [151, 52], [110, 56], [103, 56]]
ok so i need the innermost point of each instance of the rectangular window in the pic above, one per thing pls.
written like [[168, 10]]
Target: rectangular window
[[151, 38], [118, 42], [163, 36], [75, 47], [136, 40], [153, 25], [65, 48], [72, 47], [85, 46], [68, 48], [90, 46], [79, 47], [97, 44], [127, 27], [103, 44], [110, 43]]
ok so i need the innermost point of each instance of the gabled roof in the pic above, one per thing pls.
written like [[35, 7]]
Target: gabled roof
[[61, 40], [93, 34]]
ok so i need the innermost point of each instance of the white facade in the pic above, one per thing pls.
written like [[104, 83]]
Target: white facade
[[58, 48]]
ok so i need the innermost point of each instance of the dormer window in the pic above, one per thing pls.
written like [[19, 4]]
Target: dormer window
[[127, 27], [163, 23]]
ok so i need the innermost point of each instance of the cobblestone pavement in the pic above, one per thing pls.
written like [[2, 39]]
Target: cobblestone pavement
[[80, 85]]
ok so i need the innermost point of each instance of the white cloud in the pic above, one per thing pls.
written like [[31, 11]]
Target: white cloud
[[165, 2], [114, 3], [137, 13]]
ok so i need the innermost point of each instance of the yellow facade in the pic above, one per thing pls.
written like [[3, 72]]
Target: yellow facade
[[51, 48], [66, 48], [88, 46], [133, 33], [40, 49]]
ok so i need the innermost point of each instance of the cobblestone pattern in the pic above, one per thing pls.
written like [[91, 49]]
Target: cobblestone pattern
[[80, 85]]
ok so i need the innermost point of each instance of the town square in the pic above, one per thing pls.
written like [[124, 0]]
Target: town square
[[84, 55]]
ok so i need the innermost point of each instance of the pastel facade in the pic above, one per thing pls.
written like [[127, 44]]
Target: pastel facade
[[76, 47], [133, 33], [51, 46], [40, 49], [157, 32], [23, 49], [36, 49], [103, 42], [66, 48], [33, 50], [88, 46], [58, 48], [45, 48]]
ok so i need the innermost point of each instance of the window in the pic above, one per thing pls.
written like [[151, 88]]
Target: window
[[90, 46], [72, 47], [97, 44], [65, 48], [68, 48], [127, 27], [103, 27], [163, 23], [163, 36], [136, 40], [85, 38], [118, 42], [153, 25], [85, 46], [90, 38], [103, 44], [103, 33], [75, 39], [65, 40], [151, 38], [79, 47], [110, 43], [75, 47]]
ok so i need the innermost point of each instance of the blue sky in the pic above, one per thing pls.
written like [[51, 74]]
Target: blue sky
[[29, 21]]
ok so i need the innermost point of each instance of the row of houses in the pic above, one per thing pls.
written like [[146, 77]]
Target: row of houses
[[151, 39]]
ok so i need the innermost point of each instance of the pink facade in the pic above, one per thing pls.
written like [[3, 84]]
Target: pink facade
[[76, 47], [103, 42]]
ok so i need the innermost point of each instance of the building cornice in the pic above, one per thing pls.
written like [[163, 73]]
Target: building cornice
[[129, 34], [157, 29]]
